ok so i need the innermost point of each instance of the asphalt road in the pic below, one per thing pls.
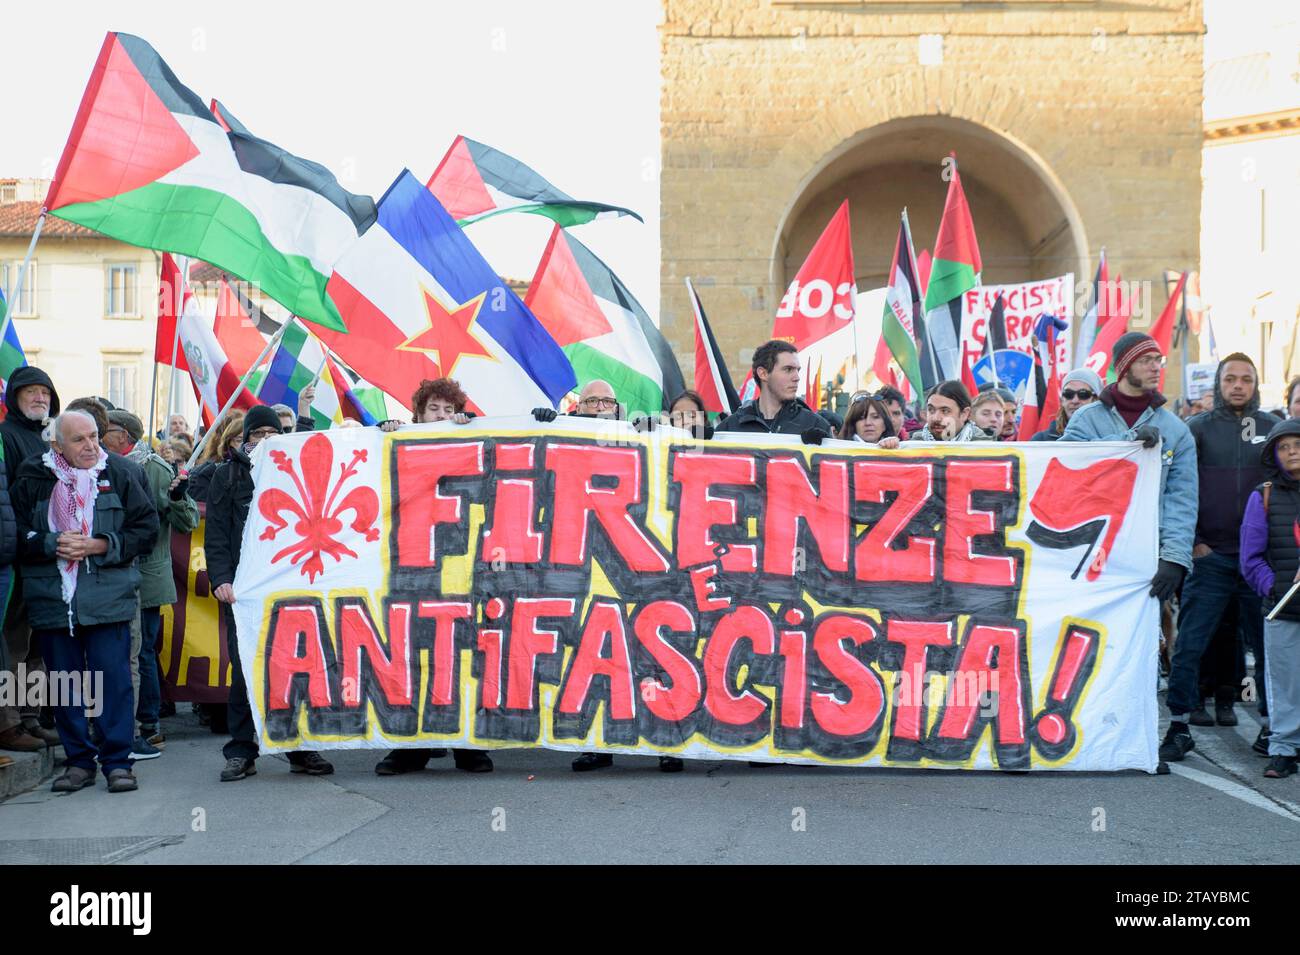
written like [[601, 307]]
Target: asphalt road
[[1215, 808]]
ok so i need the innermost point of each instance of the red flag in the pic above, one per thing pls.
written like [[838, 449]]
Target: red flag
[[820, 299], [1098, 358], [171, 292], [210, 370], [924, 262], [236, 330], [1035, 394], [814, 397], [1163, 329], [1051, 402]]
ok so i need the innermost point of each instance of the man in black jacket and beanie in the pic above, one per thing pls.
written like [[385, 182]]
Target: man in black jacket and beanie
[[1228, 441], [83, 518], [30, 400], [778, 408], [229, 497]]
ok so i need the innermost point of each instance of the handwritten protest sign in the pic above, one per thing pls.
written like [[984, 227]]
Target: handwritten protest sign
[[583, 586]]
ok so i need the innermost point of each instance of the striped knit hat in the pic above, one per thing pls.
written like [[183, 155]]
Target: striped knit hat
[[1129, 348]]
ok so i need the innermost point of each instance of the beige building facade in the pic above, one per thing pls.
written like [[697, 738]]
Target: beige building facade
[[1075, 126], [1250, 238], [88, 311]]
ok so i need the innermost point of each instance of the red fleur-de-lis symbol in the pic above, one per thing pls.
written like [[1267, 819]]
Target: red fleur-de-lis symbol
[[318, 515]]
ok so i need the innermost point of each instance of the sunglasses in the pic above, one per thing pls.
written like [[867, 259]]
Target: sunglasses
[[864, 395], [1083, 394]]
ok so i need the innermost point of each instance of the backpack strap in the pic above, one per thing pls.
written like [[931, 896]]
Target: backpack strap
[[1265, 490]]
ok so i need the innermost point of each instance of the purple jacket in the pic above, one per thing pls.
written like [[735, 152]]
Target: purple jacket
[[1254, 546]]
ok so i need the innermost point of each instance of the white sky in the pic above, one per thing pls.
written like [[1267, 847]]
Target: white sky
[[1234, 28], [570, 88]]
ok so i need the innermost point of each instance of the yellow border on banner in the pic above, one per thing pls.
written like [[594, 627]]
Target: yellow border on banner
[[659, 515]]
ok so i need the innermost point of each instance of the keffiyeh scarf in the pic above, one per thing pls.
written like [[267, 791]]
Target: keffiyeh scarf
[[72, 508]]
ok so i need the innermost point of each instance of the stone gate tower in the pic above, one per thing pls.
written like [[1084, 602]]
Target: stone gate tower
[[1076, 124]]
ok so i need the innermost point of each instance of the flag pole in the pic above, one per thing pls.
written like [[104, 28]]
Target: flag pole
[[15, 293], [1286, 599], [178, 307], [234, 395], [1183, 331]]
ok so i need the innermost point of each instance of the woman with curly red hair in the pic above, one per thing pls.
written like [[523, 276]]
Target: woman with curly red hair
[[437, 399]]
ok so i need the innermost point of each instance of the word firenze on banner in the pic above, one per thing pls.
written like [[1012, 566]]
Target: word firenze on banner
[[583, 586]]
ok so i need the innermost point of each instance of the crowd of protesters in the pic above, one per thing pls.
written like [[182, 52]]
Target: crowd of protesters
[[88, 505]]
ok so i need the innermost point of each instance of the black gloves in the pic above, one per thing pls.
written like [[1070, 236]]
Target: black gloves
[[544, 414], [1168, 578], [1148, 435], [645, 423], [812, 436], [179, 490]]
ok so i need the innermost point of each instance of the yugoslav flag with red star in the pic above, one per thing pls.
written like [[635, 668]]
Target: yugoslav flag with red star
[[421, 302]]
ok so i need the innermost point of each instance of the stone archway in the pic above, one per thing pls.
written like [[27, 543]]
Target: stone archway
[[1028, 226]]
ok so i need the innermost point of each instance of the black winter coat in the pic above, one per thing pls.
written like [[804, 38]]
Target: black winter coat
[[1229, 468], [8, 526], [795, 418], [229, 495], [107, 584]]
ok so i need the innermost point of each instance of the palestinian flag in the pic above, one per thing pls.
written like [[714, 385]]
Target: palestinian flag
[[712, 381], [1095, 318], [955, 270], [300, 360], [147, 163], [603, 330], [995, 340], [902, 315], [12, 356], [475, 181]]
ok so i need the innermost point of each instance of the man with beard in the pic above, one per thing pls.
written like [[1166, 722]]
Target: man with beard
[[1228, 440]]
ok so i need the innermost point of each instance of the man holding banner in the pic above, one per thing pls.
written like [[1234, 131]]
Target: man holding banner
[[229, 498], [1133, 410], [778, 409]]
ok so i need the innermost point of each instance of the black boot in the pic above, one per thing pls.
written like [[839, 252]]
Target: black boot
[[401, 761], [472, 760], [1177, 743], [589, 761]]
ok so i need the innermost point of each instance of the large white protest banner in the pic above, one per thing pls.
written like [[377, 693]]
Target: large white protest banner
[[583, 586]]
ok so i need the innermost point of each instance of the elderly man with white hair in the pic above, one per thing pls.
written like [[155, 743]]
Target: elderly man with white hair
[[83, 518]]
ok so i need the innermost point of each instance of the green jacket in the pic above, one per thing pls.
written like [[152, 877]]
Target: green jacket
[[157, 584]]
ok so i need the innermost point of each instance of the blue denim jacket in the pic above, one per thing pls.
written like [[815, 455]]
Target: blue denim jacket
[[1179, 484]]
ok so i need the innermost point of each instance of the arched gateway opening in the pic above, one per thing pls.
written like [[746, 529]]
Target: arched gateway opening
[[1027, 225]]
